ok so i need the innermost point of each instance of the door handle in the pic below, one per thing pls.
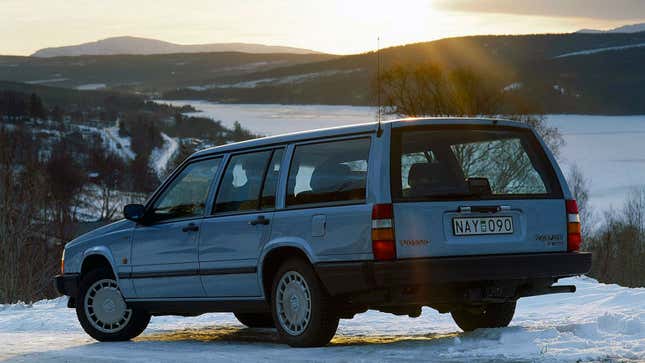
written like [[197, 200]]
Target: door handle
[[259, 220], [191, 227]]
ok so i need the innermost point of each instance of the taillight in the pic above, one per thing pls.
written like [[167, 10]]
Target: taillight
[[62, 263], [383, 242], [574, 236]]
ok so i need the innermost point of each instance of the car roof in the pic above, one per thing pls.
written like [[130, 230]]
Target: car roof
[[352, 130]]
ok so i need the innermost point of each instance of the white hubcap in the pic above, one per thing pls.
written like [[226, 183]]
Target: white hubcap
[[105, 308], [293, 303]]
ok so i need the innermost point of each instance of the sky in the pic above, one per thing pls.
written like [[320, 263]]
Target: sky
[[332, 26]]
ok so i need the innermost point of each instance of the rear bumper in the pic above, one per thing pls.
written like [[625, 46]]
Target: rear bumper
[[67, 284], [361, 276]]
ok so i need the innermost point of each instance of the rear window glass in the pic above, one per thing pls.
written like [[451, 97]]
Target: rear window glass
[[469, 163], [330, 172]]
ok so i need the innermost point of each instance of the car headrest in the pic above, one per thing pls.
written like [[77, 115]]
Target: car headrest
[[330, 177], [424, 174]]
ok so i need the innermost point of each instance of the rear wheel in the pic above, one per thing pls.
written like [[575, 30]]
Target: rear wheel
[[256, 320], [301, 307], [102, 311], [497, 315]]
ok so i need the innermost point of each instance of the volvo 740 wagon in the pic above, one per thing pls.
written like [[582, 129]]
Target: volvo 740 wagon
[[295, 232]]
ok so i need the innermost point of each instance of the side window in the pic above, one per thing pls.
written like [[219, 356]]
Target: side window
[[270, 181], [241, 183], [329, 172], [186, 196]]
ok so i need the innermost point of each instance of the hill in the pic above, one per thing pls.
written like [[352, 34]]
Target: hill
[[632, 28], [564, 73], [142, 73], [143, 46]]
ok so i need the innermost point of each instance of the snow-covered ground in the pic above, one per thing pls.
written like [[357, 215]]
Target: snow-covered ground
[[608, 149], [298, 78], [91, 86], [160, 157], [600, 50], [598, 322]]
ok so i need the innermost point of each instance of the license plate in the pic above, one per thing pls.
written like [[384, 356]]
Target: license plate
[[473, 226]]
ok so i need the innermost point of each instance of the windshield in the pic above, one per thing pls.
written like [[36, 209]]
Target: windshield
[[469, 162]]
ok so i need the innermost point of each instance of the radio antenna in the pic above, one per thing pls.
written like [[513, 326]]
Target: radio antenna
[[379, 128]]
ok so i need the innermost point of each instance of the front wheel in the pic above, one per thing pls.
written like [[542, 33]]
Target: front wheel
[[497, 315], [301, 307], [102, 311]]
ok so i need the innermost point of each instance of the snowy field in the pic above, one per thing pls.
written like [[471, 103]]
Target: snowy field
[[608, 149], [598, 322]]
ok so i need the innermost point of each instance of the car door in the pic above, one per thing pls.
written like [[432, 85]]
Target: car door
[[164, 250], [233, 235], [325, 200]]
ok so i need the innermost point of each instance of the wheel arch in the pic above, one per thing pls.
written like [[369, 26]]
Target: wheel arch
[[98, 257], [274, 255]]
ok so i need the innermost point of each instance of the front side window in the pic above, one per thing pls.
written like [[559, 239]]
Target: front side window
[[241, 184], [330, 172], [186, 196], [475, 162]]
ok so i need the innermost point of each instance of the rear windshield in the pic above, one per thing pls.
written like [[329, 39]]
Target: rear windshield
[[460, 162]]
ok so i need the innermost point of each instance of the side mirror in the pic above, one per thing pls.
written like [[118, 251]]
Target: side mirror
[[134, 212]]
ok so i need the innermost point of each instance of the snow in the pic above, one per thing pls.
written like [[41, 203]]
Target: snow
[[600, 50], [598, 322], [559, 89], [118, 144], [91, 86], [160, 157], [298, 78], [513, 86], [49, 80]]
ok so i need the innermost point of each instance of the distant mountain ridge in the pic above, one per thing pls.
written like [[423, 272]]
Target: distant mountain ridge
[[145, 46], [632, 28]]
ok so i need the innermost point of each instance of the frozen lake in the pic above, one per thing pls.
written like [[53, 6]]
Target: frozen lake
[[610, 150]]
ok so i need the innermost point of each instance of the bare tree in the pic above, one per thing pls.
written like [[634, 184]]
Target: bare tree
[[429, 90], [579, 186]]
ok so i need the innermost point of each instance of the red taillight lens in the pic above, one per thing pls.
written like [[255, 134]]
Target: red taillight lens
[[382, 211], [383, 241], [574, 237], [384, 250], [572, 206]]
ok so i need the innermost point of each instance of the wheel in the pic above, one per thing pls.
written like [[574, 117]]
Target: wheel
[[497, 315], [103, 313], [301, 307], [256, 320]]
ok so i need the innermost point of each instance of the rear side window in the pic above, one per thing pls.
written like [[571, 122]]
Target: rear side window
[[330, 172], [470, 163], [242, 182]]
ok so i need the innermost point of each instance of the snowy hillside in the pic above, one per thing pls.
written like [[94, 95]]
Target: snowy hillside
[[598, 322]]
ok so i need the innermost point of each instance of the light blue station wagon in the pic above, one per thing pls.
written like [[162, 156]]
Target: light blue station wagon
[[298, 231]]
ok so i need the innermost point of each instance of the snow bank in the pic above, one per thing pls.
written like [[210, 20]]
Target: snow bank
[[91, 86], [600, 50], [598, 322], [160, 157]]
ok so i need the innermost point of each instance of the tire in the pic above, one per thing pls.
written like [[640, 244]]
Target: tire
[[301, 308], [256, 320], [496, 315], [100, 284]]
